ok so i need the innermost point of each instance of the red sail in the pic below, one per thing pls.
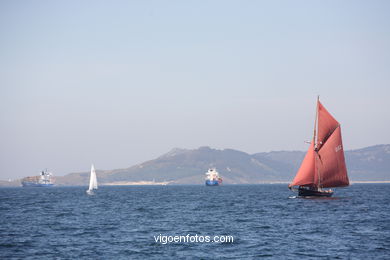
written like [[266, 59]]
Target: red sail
[[324, 164], [331, 162], [305, 174], [326, 125]]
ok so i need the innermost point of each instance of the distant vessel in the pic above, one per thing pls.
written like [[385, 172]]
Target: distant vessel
[[324, 164], [92, 181], [42, 180], [212, 177]]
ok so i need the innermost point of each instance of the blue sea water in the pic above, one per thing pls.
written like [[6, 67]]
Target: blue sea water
[[264, 221]]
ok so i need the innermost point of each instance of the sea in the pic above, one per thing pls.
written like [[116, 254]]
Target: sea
[[194, 222]]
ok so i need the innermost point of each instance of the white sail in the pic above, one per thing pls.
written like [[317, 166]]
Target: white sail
[[92, 180]]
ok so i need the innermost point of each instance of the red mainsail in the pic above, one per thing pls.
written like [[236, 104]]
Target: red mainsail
[[324, 164], [331, 166], [326, 125]]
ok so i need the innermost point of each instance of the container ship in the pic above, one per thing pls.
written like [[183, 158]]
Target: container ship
[[213, 178], [42, 180]]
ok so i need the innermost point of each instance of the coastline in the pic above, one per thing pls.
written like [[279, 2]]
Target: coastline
[[151, 183], [135, 183], [353, 182]]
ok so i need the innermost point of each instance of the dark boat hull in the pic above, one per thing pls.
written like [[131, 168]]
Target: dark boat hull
[[303, 192]]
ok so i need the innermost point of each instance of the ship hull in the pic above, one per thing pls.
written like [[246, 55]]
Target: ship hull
[[90, 192], [212, 183], [33, 184], [302, 192]]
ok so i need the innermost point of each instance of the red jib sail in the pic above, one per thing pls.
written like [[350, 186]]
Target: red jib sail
[[305, 176], [324, 164]]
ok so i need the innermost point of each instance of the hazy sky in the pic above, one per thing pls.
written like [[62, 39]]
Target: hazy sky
[[116, 83]]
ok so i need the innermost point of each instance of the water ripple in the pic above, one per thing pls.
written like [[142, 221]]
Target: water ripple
[[266, 221]]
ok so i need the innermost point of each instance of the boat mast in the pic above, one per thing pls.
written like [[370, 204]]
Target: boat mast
[[316, 142], [315, 125]]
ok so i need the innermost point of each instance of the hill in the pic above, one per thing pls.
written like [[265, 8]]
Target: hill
[[185, 166]]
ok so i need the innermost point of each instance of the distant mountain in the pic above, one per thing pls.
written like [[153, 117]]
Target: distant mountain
[[370, 163], [184, 166]]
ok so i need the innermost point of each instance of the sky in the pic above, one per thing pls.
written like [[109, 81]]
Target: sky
[[117, 83]]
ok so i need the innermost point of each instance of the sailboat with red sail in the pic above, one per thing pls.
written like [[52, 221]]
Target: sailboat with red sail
[[324, 164]]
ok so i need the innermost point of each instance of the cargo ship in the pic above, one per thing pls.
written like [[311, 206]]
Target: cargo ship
[[213, 178], [42, 180]]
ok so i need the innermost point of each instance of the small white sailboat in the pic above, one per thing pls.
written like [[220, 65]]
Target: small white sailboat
[[92, 181]]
